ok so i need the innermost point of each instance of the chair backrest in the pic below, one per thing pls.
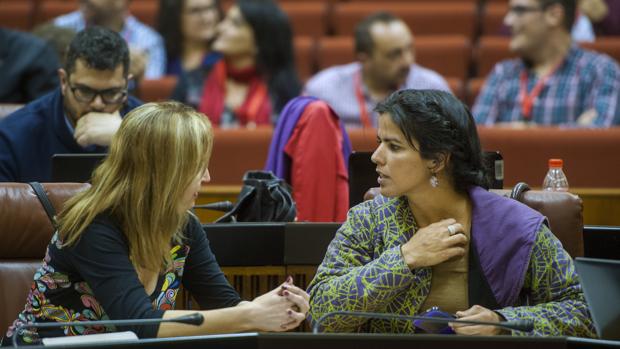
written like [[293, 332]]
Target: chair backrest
[[26, 231], [305, 47], [428, 18], [306, 18], [608, 45], [145, 11], [563, 210], [472, 89], [449, 55], [50, 9], [16, 14], [493, 17], [155, 90], [491, 50]]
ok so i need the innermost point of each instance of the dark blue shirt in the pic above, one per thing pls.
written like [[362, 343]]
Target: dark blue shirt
[[31, 135]]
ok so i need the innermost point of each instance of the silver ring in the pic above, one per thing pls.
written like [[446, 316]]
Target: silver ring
[[451, 229]]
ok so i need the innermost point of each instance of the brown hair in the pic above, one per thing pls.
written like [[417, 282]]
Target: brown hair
[[156, 153]]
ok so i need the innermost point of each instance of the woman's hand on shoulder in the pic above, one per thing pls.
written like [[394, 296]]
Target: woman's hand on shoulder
[[281, 309], [435, 244]]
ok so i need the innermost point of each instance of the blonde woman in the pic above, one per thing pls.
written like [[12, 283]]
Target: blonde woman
[[125, 245]]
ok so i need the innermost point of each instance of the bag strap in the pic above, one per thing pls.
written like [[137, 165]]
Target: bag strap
[[45, 201]]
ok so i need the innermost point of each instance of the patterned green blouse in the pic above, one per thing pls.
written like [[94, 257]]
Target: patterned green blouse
[[364, 270]]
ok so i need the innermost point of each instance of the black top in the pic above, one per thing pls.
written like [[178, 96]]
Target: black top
[[94, 279], [30, 136]]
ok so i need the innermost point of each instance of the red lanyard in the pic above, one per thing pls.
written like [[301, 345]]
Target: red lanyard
[[361, 101], [527, 100]]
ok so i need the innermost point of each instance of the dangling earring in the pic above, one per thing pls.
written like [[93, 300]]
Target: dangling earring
[[434, 181]]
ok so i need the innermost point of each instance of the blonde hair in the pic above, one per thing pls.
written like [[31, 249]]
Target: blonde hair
[[154, 156]]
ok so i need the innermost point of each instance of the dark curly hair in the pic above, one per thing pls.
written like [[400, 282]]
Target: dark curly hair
[[441, 124], [99, 48]]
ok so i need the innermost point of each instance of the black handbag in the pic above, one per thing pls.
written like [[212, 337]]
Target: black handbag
[[263, 198]]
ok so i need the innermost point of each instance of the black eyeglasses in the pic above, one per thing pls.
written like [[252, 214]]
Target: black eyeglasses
[[86, 94], [520, 10]]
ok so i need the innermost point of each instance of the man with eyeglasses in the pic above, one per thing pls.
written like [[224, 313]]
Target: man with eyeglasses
[[554, 81], [79, 117]]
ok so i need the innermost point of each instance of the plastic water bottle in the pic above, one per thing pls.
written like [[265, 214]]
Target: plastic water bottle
[[555, 179]]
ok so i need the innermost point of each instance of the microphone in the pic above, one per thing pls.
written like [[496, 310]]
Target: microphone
[[224, 206], [518, 325], [195, 319]]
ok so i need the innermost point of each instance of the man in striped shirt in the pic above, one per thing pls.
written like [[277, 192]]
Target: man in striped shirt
[[145, 44], [553, 82]]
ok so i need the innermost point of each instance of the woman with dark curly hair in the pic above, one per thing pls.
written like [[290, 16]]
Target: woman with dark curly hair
[[436, 237]]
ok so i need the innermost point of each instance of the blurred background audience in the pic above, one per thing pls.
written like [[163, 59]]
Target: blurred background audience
[[385, 54], [28, 67], [553, 82], [256, 75], [145, 44], [459, 40]]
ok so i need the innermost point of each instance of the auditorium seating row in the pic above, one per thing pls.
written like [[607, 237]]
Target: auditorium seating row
[[590, 159], [446, 32], [310, 17], [465, 67]]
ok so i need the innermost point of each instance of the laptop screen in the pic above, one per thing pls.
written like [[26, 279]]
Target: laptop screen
[[362, 176], [600, 241], [74, 167], [600, 279]]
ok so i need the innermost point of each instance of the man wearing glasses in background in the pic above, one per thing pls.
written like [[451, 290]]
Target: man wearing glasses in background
[[554, 81], [79, 117]]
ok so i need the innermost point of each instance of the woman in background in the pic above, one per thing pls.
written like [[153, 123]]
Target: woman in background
[[189, 28], [256, 76], [125, 245]]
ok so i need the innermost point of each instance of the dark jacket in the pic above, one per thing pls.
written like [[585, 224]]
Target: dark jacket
[[28, 67], [31, 135]]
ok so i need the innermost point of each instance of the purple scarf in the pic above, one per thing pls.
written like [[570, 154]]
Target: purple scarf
[[503, 232], [277, 161]]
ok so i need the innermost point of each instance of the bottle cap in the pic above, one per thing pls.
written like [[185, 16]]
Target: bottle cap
[[556, 163]]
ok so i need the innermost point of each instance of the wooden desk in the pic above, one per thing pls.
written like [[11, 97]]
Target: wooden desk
[[601, 206]]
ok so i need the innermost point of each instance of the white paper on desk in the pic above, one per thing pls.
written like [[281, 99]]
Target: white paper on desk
[[109, 338]]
